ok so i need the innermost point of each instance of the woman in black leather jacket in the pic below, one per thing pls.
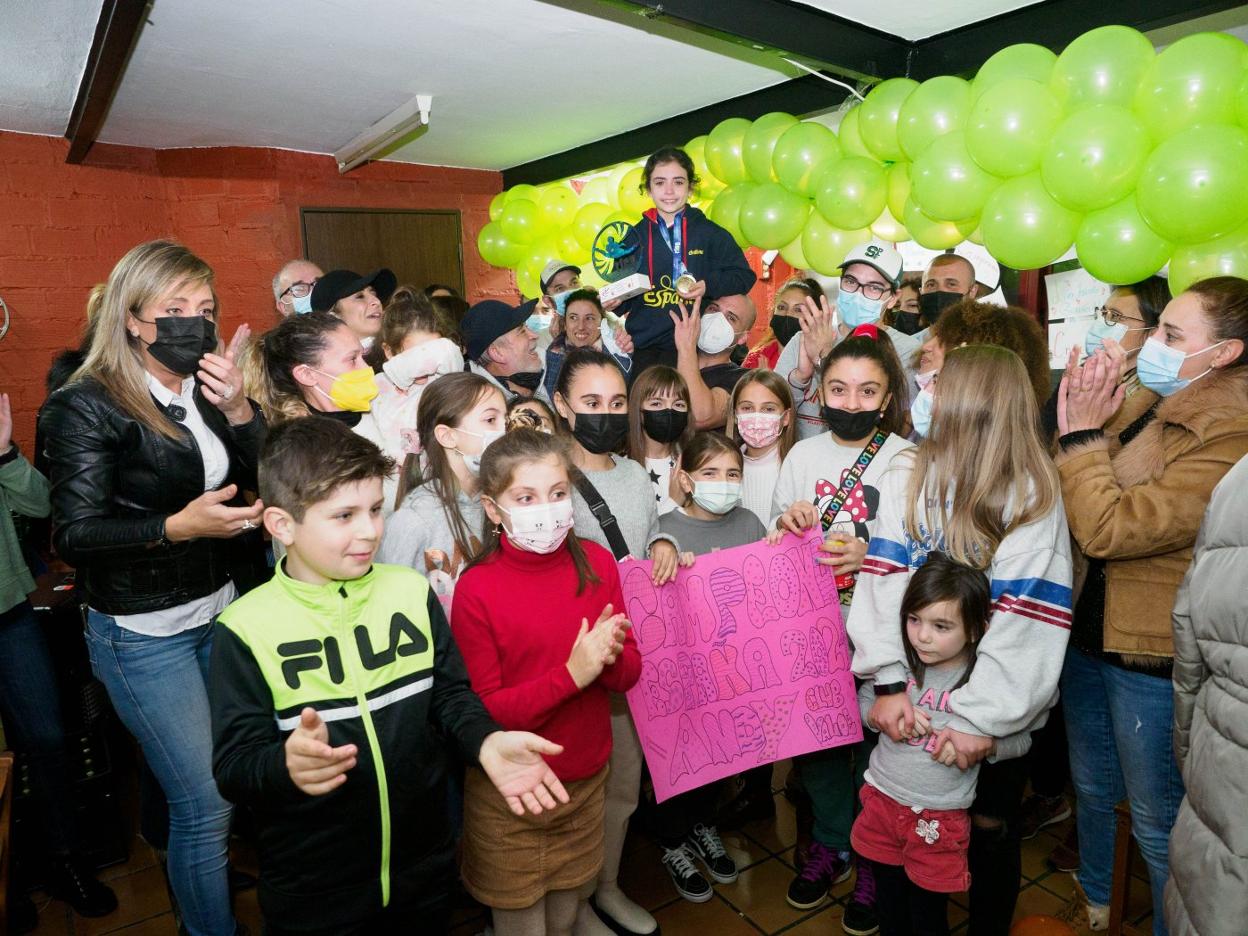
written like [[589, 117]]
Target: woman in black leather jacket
[[150, 446]]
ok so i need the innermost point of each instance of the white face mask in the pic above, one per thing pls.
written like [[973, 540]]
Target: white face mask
[[717, 497], [473, 462], [539, 528], [715, 334], [431, 359]]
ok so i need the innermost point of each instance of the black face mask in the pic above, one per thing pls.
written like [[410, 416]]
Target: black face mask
[[933, 303], [907, 323], [784, 327], [600, 433], [664, 425], [529, 380], [852, 426], [181, 340]]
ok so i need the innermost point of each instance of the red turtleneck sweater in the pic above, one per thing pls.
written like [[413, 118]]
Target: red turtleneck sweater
[[515, 618]]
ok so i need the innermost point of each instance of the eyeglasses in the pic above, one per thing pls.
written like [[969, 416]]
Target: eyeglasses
[[1114, 317], [299, 290], [870, 290]]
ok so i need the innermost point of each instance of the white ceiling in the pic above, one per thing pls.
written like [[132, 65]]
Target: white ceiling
[[43, 51], [916, 19]]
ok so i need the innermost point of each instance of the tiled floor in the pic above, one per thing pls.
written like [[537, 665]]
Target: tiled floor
[[754, 904]]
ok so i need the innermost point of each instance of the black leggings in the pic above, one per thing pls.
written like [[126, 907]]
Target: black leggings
[[904, 908], [995, 855]]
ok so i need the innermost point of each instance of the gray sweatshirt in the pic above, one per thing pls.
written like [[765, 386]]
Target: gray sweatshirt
[[738, 527], [627, 490], [421, 524], [905, 770]]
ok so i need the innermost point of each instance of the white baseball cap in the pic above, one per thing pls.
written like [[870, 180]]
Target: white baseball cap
[[987, 270], [553, 269], [880, 256]]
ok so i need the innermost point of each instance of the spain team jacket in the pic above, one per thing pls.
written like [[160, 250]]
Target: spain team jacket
[[374, 656]]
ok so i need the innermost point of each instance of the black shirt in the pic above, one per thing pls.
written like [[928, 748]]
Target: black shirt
[[724, 376]]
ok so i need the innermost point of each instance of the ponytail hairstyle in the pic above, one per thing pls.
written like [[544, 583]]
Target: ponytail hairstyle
[[778, 387], [444, 402], [982, 471], [1224, 300], [866, 342], [267, 368], [578, 359], [499, 465], [704, 446], [941, 579], [111, 355], [659, 380]]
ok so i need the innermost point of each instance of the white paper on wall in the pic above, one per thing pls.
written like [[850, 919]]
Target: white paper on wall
[[1074, 297]]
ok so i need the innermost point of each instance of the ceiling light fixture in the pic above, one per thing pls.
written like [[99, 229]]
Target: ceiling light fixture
[[385, 132]]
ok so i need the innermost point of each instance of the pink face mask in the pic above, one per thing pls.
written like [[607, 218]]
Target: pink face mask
[[759, 430]]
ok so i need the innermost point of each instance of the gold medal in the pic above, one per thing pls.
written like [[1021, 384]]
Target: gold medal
[[684, 283]]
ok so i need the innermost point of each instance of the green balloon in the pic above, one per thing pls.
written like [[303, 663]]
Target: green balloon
[[1095, 157], [849, 133], [793, 256], [708, 186], [1222, 256], [825, 246], [528, 285], [1116, 246], [938, 106], [723, 150], [496, 248], [1023, 60], [851, 192], [726, 212], [523, 192], [496, 206], [1010, 126], [1194, 186], [802, 150], [947, 184], [877, 120], [898, 188], [888, 228], [1024, 227], [760, 142], [1192, 82], [935, 235], [521, 221], [1241, 102], [589, 220], [1103, 66], [557, 206], [771, 216]]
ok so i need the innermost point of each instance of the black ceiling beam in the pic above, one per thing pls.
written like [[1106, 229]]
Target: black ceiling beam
[[1052, 23], [801, 96], [116, 33]]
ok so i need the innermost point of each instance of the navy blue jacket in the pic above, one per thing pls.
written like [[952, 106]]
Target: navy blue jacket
[[710, 254]]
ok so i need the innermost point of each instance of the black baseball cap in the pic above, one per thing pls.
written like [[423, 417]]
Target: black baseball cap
[[339, 284], [488, 321]]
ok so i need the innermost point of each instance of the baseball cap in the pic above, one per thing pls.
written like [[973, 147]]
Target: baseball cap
[[553, 269], [488, 321], [339, 284], [987, 270], [880, 256]]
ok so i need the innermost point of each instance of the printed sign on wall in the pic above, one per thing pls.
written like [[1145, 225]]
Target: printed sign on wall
[[744, 662]]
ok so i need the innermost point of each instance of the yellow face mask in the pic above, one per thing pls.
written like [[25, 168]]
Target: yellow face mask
[[352, 391]]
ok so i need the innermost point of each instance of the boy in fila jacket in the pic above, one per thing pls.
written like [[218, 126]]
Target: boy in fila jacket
[[335, 689]]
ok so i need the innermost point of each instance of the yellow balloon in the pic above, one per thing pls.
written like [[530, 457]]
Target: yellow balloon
[[588, 222], [630, 195], [614, 178], [888, 228], [597, 189], [793, 256], [570, 249]]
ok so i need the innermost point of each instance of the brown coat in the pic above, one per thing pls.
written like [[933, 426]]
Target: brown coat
[[1139, 506]]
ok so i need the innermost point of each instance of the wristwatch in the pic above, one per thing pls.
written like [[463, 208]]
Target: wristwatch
[[892, 688]]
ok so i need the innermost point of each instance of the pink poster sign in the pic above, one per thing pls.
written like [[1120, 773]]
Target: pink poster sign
[[744, 662]]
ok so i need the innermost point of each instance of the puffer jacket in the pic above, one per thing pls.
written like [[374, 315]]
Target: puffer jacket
[[1207, 893]]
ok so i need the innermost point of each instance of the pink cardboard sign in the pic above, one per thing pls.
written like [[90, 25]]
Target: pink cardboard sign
[[744, 661]]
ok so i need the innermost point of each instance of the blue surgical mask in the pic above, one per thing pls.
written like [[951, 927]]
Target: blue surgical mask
[[717, 497], [1100, 330], [301, 304], [561, 300], [1158, 366], [921, 412], [856, 309]]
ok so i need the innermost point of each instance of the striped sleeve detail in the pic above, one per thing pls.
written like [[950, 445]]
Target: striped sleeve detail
[[1035, 598], [884, 557]]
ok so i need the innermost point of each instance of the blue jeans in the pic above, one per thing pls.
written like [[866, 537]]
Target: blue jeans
[[158, 685], [31, 704], [1119, 726]]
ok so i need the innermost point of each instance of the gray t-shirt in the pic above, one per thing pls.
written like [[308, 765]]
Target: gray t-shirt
[[738, 527], [627, 490], [420, 524]]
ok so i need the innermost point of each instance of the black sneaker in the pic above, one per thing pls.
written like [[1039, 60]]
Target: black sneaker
[[1040, 811], [71, 882], [859, 918], [823, 869], [689, 883], [706, 844]]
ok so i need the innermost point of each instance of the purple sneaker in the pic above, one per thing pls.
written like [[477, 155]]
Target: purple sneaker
[[859, 918], [823, 869]]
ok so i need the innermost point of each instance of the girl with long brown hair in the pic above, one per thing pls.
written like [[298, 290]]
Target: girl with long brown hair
[[658, 428], [761, 420]]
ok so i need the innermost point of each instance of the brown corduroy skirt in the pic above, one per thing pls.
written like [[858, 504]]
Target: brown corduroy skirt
[[510, 862]]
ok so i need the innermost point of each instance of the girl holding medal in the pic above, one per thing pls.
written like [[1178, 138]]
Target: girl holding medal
[[685, 254]]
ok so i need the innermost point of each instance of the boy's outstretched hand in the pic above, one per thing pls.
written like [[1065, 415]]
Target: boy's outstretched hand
[[314, 766], [513, 762]]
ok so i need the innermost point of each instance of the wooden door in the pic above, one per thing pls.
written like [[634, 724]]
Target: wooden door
[[421, 247]]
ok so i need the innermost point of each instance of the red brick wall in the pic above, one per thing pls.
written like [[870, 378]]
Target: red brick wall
[[62, 228]]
